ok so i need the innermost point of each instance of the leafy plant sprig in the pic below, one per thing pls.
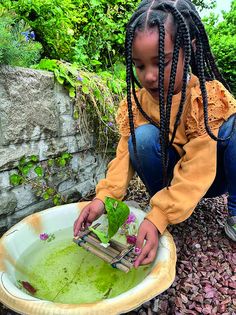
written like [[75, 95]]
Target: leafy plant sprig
[[39, 175], [96, 98]]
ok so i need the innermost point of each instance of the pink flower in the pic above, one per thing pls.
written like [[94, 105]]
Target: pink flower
[[131, 218], [131, 239], [43, 236]]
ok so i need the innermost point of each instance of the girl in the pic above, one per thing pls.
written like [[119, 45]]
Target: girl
[[178, 130]]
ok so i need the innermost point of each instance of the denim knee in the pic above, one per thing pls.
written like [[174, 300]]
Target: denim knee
[[147, 139]]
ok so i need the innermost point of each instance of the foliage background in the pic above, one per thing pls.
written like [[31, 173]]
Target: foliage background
[[90, 34], [222, 37]]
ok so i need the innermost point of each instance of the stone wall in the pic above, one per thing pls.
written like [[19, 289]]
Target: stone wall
[[36, 118]]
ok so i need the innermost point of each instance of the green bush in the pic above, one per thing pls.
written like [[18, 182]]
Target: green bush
[[222, 36], [88, 32], [17, 47]]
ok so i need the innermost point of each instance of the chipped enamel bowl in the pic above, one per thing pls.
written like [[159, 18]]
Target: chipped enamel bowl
[[21, 236]]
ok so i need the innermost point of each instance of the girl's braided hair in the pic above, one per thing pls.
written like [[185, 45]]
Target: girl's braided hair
[[153, 14]]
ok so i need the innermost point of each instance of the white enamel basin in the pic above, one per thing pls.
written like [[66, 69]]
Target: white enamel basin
[[25, 233]]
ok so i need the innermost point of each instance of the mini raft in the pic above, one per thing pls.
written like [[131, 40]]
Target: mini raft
[[46, 224]]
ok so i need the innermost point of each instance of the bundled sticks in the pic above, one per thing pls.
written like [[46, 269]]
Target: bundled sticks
[[116, 254]]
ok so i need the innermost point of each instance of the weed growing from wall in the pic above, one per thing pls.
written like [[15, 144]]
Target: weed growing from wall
[[41, 175], [96, 99]]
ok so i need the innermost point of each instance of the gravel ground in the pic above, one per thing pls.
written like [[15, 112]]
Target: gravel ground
[[205, 280]]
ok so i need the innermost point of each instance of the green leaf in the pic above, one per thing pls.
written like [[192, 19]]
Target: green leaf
[[61, 162], [22, 161], [34, 158], [66, 155], [50, 162], [60, 79], [76, 115], [72, 92], [101, 235], [95, 62], [117, 214], [25, 169], [56, 200], [39, 171], [85, 89], [50, 191], [45, 196], [15, 179]]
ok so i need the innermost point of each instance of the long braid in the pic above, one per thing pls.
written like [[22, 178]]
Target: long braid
[[129, 41], [170, 93], [202, 80], [187, 53], [163, 127], [207, 50]]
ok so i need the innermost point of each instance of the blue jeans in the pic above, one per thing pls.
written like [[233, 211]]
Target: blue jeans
[[149, 153]]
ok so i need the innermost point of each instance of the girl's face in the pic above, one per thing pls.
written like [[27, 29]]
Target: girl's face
[[146, 61]]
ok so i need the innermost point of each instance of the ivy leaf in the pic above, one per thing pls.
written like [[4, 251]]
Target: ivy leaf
[[39, 171], [22, 161], [62, 162], [15, 179], [56, 200], [66, 155], [45, 196], [34, 158], [25, 170]]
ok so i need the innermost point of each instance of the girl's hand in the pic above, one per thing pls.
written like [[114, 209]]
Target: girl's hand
[[89, 214], [147, 231]]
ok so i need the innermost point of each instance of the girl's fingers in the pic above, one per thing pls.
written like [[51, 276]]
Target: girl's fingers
[[140, 258], [80, 222], [149, 258]]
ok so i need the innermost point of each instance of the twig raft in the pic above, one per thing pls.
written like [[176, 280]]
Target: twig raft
[[116, 254]]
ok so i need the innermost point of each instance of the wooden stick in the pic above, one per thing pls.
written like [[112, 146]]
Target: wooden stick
[[120, 254], [108, 250], [103, 256]]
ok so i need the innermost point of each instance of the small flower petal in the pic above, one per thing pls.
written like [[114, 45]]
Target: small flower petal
[[43, 236], [131, 218], [131, 239]]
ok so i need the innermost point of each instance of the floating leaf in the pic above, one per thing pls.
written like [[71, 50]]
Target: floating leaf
[[26, 285]]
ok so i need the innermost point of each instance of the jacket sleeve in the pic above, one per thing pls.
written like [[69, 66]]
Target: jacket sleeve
[[119, 174], [193, 175]]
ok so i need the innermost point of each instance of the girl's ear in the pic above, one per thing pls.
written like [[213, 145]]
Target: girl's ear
[[194, 44]]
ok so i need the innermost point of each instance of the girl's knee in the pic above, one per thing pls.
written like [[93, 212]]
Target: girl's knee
[[147, 137], [228, 128]]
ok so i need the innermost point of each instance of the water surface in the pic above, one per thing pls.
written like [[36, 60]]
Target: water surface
[[63, 272]]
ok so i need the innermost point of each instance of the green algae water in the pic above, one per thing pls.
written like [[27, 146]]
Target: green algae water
[[63, 272]]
